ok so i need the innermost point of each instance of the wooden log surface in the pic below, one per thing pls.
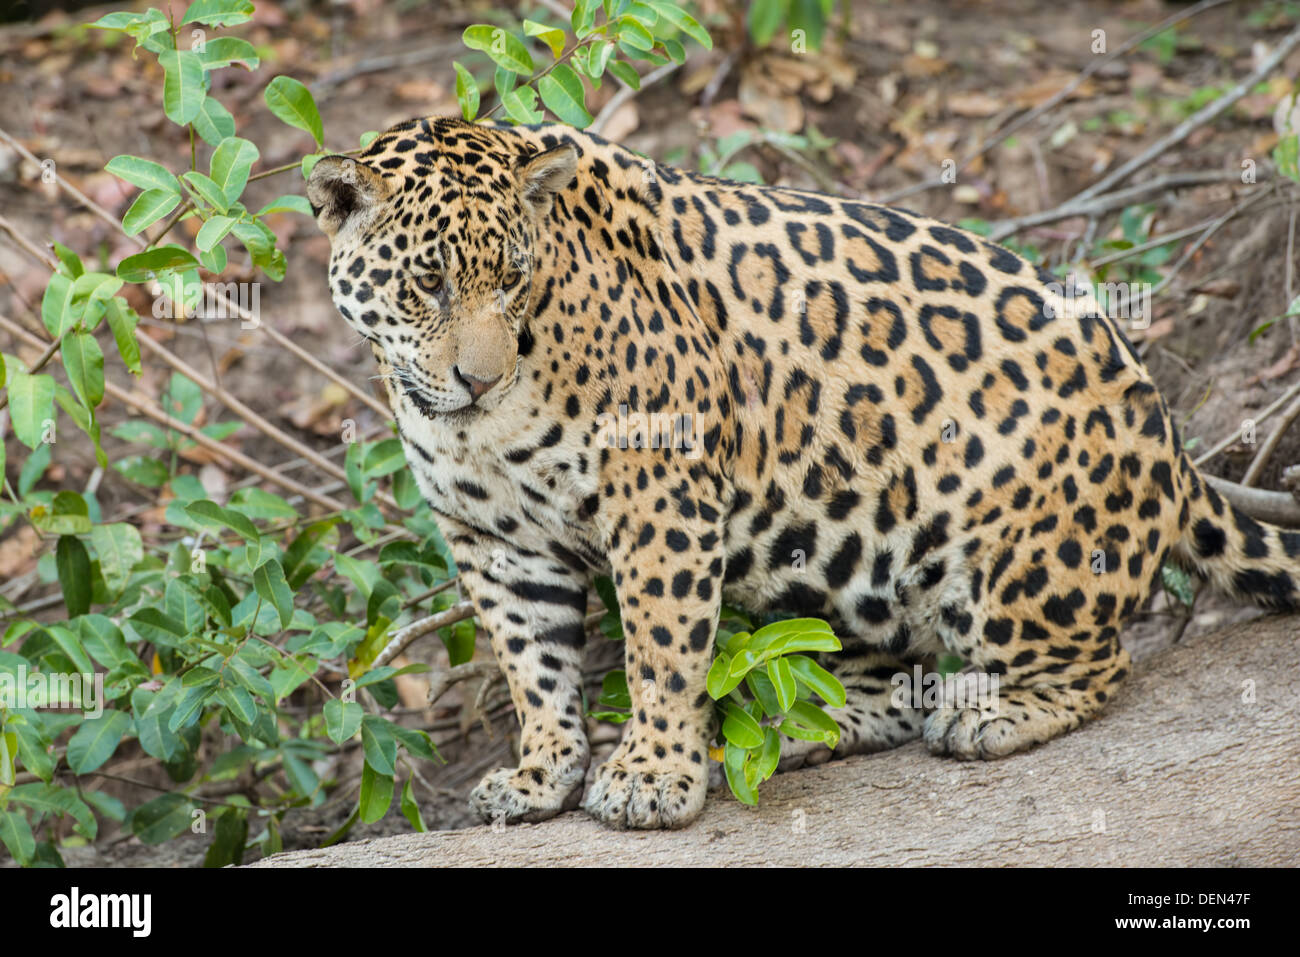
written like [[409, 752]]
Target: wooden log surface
[[1196, 762]]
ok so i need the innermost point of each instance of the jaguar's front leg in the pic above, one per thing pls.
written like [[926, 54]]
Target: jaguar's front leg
[[533, 608], [668, 573]]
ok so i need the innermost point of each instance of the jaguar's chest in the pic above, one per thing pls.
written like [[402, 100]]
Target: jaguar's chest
[[518, 482]]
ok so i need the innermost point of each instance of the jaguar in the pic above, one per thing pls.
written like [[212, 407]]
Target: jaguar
[[880, 420]]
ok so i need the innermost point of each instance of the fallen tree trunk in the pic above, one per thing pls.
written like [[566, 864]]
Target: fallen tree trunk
[[1197, 762]]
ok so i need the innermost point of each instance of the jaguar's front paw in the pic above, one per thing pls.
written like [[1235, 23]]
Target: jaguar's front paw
[[646, 795], [527, 794]]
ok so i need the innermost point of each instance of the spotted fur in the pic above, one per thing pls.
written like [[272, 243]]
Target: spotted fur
[[899, 426]]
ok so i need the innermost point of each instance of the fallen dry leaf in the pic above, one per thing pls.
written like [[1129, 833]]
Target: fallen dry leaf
[[974, 104], [1225, 288]]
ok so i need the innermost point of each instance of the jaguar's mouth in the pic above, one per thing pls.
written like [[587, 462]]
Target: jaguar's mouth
[[424, 399]]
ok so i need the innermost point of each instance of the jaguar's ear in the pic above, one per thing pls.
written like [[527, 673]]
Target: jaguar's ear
[[542, 175], [343, 192]]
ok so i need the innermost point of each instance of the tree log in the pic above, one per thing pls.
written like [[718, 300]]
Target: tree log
[[1196, 762]]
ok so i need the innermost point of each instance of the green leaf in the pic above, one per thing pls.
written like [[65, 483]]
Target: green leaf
[[733, 763], [685, 22], [56, 305], [564, 95], [73, 566], [116, 21], [626, 72], [239, 703], [145, 265], [182, 85], [379, 743], [770, 755], [553, 37], [506, 50], [410, 809], [162, 819], [521, 105], [93, 287], [231, 163], [720, 681], [119, 549], [288, 203], [256, 503], [760, 685], [376, 794], [207, 190], [17, 835], [213, 122], [634, 34], [144, 471], [583, 17], [260, 243], [598, 57], [71, 262], [231, 834], [212, 232], [224, 51], [818, 680], [342, 719], [190, 706], [212, 516], [467, 94], [219, 13], [51, 799], [778, 670], [158, 628], [271, 585], [104, 641], [31, 406], [459, 640], [765, 16], [305, 555], [292, 103], [143, 173], [1178, 583], [384, 458], [34, 750], [96, 740], [214, 260], [806, 15], [417, 743], [740, 728], [817, 724], [84, 363], [149, 207]]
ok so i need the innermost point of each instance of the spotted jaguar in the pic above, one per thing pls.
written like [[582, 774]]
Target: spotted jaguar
[[877, 419]]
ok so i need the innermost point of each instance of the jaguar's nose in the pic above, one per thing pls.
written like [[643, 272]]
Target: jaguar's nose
[[475, 385]]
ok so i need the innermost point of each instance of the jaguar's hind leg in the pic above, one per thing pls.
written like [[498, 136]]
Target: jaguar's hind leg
[[1038, 697], [875, 717]]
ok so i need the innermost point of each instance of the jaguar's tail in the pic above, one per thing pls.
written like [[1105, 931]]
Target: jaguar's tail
[[1238, 555]]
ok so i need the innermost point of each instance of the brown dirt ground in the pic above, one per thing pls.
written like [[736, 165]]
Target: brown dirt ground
[[905, 87]]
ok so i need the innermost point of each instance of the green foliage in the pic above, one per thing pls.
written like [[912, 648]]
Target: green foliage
[[809, 17], [247, 617], [601, 36], [764, 682]]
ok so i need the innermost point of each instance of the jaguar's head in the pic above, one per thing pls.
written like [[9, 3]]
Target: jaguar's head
[[434, 233]]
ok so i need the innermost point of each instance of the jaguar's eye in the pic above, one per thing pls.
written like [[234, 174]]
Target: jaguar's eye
[[429, 282], [511, 279]]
